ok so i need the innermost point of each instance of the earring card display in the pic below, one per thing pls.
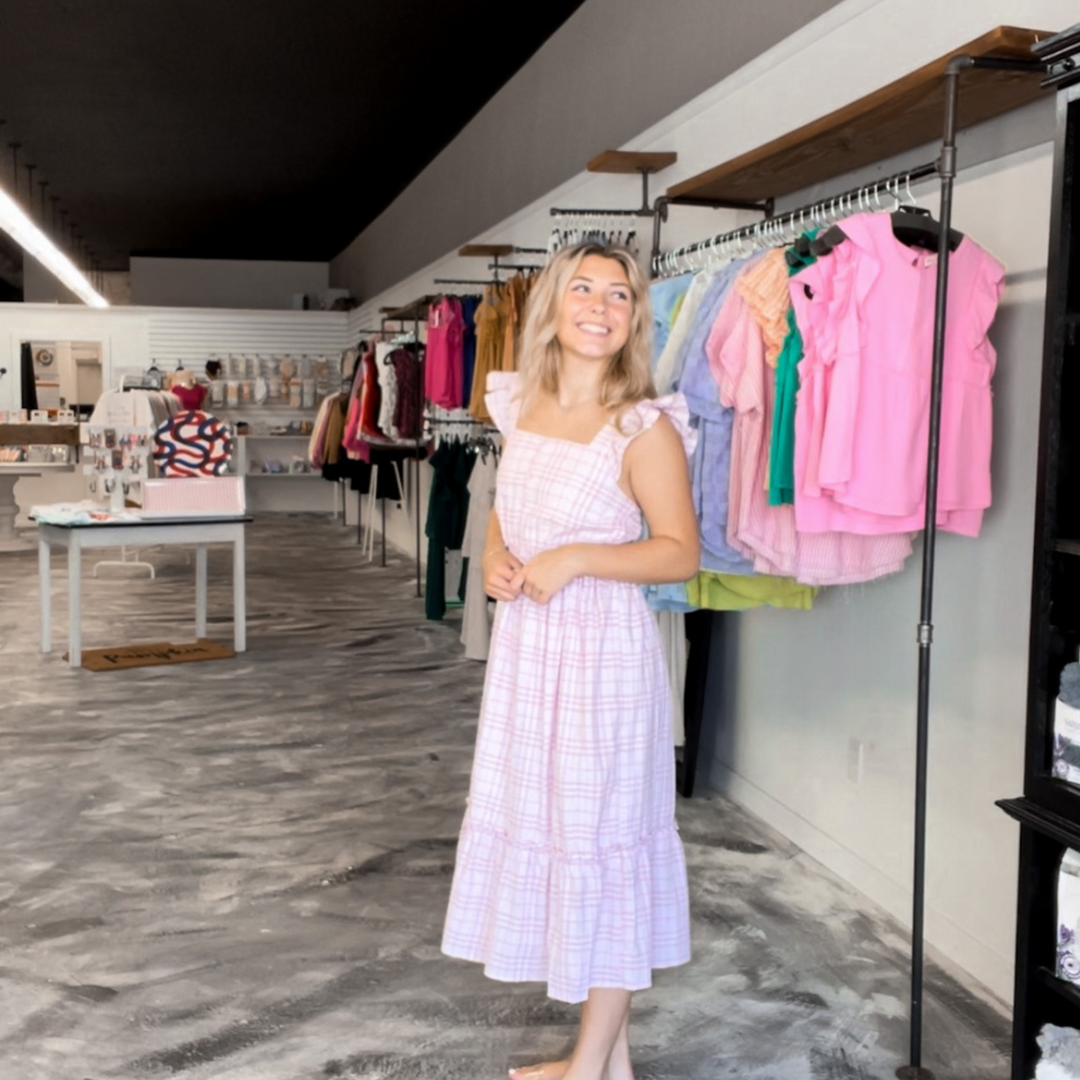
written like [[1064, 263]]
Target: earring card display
[[116, 460]]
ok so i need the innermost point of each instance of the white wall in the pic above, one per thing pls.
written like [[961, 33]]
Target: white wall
[[224, 283], [789, 691]]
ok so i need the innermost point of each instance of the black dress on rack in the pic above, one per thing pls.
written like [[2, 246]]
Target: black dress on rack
[[448, 510]]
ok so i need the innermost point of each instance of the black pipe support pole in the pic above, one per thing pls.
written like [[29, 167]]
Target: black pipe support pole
[[661, 215], [947, 168], [421, 358]]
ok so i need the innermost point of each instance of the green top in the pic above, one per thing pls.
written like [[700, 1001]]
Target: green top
[[782, 444]]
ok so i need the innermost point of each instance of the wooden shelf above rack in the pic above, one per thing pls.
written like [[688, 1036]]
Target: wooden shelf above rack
[[416, 310], [475, 251], [631, 161], [898, 117]]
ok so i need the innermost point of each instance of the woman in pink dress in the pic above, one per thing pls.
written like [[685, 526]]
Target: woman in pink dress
[[570, 869]]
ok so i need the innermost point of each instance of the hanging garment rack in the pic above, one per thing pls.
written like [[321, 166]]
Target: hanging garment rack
[[844, 203], [494, 252], [945, 168], [645, 164], [413, 313]]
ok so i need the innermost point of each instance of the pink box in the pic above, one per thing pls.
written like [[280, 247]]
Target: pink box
[[194, 496]]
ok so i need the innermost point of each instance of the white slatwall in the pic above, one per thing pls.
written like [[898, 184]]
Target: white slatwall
[[192, 334]]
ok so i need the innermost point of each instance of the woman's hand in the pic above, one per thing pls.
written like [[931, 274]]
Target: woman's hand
[[546, 574], [500, 569]]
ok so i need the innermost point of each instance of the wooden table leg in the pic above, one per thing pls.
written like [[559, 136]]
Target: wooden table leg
[[200, 591]]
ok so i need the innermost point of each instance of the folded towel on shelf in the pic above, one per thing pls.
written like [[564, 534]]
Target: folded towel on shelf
[[1070, 685], [1060, 1053]]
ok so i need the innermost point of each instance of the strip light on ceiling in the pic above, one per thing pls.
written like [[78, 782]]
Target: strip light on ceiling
[[16, 223]]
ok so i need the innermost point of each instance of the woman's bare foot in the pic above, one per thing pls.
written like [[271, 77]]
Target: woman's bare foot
[[547, 1070], [619, 1067], [556, 1070]]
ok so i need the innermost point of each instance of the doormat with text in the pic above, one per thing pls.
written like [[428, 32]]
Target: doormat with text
[[157, 652]]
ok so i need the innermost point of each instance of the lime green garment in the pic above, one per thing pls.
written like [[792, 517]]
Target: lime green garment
[[739, 592], [676, 308], [782, 442]]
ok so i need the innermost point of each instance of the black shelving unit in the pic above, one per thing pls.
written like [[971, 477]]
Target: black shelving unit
[[1049, 811]]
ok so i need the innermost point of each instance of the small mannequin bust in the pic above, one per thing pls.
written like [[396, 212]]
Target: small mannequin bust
[[190, 393]]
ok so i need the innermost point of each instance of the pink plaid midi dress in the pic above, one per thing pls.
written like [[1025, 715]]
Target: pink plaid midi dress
[[569, 868]]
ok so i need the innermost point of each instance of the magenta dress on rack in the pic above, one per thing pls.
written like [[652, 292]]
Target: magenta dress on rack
[[570, 869]]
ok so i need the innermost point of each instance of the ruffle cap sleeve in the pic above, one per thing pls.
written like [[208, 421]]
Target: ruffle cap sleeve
[[500, 401], [645, 414]]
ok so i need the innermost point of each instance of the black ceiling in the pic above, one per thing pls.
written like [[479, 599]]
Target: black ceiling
[[252, 129]]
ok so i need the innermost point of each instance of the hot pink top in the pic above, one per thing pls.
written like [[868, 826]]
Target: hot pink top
[[191, 397], [445, 353], [866, 313]]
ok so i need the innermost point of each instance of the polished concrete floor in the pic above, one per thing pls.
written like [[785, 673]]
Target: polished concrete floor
[[238, 869]]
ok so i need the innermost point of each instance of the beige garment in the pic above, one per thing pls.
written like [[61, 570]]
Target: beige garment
[[516, 298], [672, 626], [478, 610]]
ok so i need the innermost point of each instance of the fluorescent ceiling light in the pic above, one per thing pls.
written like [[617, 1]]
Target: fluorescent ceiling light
[[17, 224]]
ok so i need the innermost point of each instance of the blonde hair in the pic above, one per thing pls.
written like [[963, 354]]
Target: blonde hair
[[628, 378]]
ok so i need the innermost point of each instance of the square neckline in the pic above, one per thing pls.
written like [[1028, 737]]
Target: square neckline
[[559, 439]]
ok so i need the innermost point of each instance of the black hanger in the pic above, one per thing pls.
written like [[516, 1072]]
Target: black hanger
[[915, 227], [831, 238]]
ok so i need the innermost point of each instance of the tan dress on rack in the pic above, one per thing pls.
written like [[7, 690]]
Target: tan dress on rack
[[490, 322], [516, 296]]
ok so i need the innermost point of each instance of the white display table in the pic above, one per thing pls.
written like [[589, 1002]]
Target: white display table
[[197, 531]]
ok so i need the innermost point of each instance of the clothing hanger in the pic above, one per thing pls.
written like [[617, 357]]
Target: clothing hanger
[[915, 227]]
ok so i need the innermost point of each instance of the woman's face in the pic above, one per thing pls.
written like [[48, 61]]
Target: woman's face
[[594, 320]]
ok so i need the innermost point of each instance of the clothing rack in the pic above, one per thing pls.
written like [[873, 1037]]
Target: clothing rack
[[495, 252], [945, 168], [645, 163], [827, 209], [412, 312]]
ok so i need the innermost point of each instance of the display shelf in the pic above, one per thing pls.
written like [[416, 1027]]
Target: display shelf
[[270, 409], [901, 116], [1049, 810], [473, 251], [1033, 816], [416, 311], [1067, 990], [291, 437], [631, 161], [1053, 794], [39, 434], [287, 475]]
